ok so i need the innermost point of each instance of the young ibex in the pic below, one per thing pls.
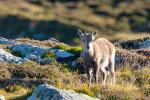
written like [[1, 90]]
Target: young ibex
[[97, 55]]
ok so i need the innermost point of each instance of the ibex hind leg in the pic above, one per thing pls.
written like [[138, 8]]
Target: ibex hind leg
[[112, 69], [103, 68]]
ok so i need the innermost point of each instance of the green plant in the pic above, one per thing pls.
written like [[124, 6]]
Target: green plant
[[49, 54], [13, 88], [142, 77], [17, 53], [85, 89], [68, 48]]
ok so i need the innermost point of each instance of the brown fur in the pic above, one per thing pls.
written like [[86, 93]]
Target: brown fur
[[99, 56]]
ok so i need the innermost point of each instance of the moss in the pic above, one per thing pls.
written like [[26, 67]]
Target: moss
[[17, 53], [75, 49], [8, 50], [49, 54], [68, 48]]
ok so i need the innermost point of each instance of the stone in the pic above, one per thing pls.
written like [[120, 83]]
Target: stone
[[34, 53], [145, 44], [26, 49], [9, 58], [7, 41], [61, 53], [48, 92], [2, 97]]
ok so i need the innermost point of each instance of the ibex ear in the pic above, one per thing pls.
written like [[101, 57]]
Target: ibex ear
[[94, 35], [80, 33]]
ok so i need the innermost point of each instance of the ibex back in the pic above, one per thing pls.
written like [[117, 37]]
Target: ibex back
[[97, 55]]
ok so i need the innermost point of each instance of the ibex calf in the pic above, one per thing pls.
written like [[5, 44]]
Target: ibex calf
[[97, 55]]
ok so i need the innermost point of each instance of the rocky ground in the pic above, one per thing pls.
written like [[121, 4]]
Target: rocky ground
[[27, 63]]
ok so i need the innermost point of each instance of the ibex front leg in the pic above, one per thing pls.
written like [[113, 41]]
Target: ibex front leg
[[89, 75], [96, 73]]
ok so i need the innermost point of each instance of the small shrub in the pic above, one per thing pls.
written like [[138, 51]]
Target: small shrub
[[13, 88], [59, 83], [75, 49], [146, 90], [8, 50], [121, 92], [126, 76], [85, 89], [142, 77], [48, 54], [96, 90], [31, 63], [17, 53], [4, 74], [62, 67], [62, 46]]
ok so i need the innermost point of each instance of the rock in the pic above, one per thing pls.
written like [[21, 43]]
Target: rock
[[145, 44], [132, 44], [6, 41], [34, 53], [2, 97], [31, 52], [47, 92], [39, 59], [145, 52], [133, 59], [8, 57], [61, 53], [53, 40], [26, 49]]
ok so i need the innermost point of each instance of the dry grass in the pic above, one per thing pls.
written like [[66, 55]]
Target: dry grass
[[130, 84], [16, 92]]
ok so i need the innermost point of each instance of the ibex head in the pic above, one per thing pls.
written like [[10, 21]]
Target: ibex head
[[87, 38]]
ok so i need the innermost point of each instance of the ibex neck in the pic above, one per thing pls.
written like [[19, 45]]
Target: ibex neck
[[90, 50]]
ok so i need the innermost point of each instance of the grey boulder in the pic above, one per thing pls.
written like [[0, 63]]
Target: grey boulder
[[2, 97], [145, 44], [47, 92], [9, 58], [26, 49], [6, 41]]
